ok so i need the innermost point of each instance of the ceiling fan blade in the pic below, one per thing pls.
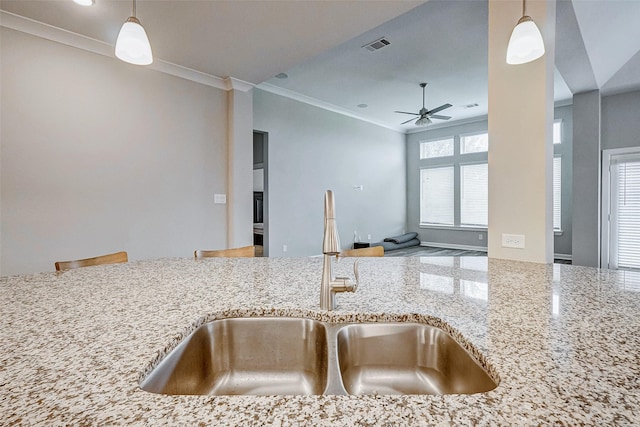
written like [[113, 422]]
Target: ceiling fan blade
[[435, 116], [410, 120], [404, 112], [440, 108]]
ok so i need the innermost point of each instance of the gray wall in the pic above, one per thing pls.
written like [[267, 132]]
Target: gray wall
[[470, 238], [620, 124], [601, 123], [312, 150], [100, 156], [620, 120]]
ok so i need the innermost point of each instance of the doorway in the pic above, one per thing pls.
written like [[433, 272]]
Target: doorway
[[621, 209], [260, 193]]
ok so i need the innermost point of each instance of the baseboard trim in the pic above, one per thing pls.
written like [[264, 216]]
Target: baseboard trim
[[566, 257], [453, 246]]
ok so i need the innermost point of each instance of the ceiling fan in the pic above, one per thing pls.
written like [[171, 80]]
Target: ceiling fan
[[426, 115]]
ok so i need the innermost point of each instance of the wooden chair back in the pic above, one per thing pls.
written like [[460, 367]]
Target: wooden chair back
[[244, 252], [369, 252], [115, 258]]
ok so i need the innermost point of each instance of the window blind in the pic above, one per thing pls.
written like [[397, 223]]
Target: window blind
[[436, 196], [627, 214], [474, 203], [557, 193]]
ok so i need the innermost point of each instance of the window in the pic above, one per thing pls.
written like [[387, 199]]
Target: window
[[436, 196], [557, 132], [474, 143], [438, 148], [557, 193], [454, 189], [474, 203], [557, 176]]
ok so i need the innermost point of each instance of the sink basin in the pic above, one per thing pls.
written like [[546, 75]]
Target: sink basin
[[300, 356], [406, 358], [255, 356]]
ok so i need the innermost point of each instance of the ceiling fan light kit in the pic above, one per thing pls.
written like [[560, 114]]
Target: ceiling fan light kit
[[525, 43], [425, 115], [423, 121], [133, 45]]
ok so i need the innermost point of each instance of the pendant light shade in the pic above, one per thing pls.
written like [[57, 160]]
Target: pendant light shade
[[525, 44], [132, 45]]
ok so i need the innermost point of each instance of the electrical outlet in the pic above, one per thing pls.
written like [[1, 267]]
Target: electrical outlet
[[480, 237], [513, 241], [284, 248], [369, 237]]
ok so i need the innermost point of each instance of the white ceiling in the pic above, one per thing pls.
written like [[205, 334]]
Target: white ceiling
[[611, 34], [246, 40], [319, 45]]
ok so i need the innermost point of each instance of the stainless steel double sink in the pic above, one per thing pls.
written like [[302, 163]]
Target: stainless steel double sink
[[299, 356]]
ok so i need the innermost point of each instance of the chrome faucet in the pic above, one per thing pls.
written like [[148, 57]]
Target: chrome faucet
[[330, 248]]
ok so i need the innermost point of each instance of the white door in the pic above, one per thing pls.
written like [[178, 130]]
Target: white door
[[621, 209]]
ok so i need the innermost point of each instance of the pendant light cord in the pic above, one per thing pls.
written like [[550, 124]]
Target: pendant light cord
[[134, 8], [523, 7]]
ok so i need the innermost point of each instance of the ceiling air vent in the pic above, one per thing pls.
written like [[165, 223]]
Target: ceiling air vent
[[470, 106], [377, 44]]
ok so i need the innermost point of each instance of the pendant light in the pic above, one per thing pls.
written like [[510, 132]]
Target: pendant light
[[525, 44], [132, 45]]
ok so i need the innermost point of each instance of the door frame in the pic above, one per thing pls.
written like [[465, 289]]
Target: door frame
[[605, 222]]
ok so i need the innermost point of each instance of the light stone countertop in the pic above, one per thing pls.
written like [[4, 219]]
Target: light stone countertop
[[564, 340]]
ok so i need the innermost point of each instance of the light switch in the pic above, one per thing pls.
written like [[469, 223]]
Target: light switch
[[220, 199]]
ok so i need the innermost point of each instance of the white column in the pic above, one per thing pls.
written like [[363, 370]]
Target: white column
[[240, 165], [520, 136]]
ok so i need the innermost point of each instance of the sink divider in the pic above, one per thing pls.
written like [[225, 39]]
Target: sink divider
[[335, 386]]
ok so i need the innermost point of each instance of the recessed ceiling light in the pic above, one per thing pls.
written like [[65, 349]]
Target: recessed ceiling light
[[362, 105], [282, 76], [85, 2]]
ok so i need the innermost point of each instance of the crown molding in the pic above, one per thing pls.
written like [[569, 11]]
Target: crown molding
[[277, 90], [59, 35], [483, 117], [49, 32], [460, 122], [237, 84]]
